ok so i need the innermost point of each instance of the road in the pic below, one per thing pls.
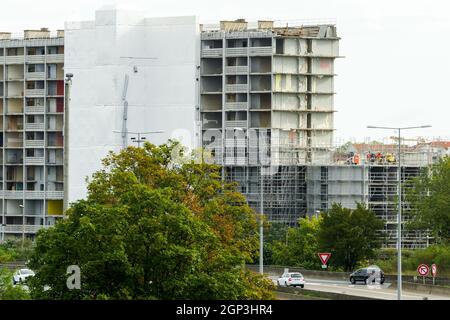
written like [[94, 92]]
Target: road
[[383, 292]]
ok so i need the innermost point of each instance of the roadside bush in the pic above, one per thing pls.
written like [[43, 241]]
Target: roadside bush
[[437, 254], [7, 290]]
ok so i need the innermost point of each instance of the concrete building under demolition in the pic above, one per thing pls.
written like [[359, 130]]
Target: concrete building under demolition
[[266, 101], [258, 96], [267, 104]]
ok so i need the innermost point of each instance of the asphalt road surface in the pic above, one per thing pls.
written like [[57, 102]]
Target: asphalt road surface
[[383, 291]]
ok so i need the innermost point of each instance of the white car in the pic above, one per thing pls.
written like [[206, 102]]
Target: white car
[[21, 275], [291, 279]]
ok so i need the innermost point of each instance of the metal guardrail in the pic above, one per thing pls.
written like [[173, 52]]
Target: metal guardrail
[[236, 69], [260, 50], [34, 92], [236, 87], [34, 109], [35, 160], [215, 52], [35, 75], [35, 143], [34, 126], [236, 106], [236, 51], [14, 59]]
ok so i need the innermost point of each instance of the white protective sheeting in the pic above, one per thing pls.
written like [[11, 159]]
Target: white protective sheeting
[[160, 57]]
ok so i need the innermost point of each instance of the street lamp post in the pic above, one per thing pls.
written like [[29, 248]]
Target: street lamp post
[[261, 225], [67, 89], [23, 223], [139, 140], [399, 194]]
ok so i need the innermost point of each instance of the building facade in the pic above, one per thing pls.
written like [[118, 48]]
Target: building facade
[[266, 107], [131, 74], [31, 134]]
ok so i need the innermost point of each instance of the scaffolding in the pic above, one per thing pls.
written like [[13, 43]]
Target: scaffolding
[[266, 104], [284, 189], [294, 189]]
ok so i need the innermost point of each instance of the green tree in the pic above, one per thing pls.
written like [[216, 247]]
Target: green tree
[[430, 201], [301, 246], [151, 228], [273, 234], [350, 235]]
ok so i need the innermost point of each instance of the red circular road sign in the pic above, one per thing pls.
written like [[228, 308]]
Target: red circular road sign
[[433, 270], [423, 269]]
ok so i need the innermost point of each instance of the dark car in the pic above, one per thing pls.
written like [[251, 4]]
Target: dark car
[[366, 275]]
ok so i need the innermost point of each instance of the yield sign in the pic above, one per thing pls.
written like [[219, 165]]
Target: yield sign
[[423, 269], [324, 257], [433, 270]]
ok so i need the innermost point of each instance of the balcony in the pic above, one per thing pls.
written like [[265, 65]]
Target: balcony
[[35, 76], [237, 51], [22, 228], [55, 195], [211, 53], [34, 109], [236, 124], [35, 92], [230, 106], [236, 87], [36, 59], [12, 194], [55, 58], [236, 69], [260, 51], [34, 194], [35, 143], [14, 59], [37, 161], [34, 126]]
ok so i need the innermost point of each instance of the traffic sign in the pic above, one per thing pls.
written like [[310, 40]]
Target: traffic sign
[[433, 270], [324, 256], [423, 269]]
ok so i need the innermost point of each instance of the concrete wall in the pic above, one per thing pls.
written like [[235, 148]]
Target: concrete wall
[[160, 57], [322, 102], [322, 66], [289, 64], [289, 101], [295, 46], [325, 47]]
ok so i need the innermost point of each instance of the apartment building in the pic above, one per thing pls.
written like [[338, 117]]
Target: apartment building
[[31, 131], [266, 110], [266, 107]]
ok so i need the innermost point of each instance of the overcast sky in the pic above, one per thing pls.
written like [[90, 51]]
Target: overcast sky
[[396, 68]]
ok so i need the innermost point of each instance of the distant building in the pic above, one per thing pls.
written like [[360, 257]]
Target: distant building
[[131, 73], [266, 105], [31, 131]]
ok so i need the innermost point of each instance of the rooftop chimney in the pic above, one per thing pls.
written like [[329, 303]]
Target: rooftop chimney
[[5, 35], [36, 34], [236, 25]]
